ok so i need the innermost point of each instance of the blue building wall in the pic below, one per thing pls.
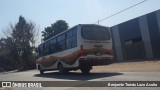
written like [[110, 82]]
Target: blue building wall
[[138, 38]]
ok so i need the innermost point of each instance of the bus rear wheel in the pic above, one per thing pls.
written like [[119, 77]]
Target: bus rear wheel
[[86, 69]]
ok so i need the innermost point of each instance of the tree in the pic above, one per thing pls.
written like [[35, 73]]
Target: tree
[[47, 33], [23, 35], [7, 58], [59, 26], [56, 28]]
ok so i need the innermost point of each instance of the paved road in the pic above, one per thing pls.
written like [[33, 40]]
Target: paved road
[[33, 75]]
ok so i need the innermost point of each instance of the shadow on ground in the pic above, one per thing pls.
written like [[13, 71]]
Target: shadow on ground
[[77, 75]]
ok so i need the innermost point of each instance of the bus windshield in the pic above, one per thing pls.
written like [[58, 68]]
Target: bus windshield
[[95, 33]]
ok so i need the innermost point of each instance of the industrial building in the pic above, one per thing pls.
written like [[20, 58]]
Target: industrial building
[[138, 38]]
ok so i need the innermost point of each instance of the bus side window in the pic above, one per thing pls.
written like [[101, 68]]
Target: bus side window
[[53, 45], [40, 50], [68, 40], [61, 45], [49, 47], [74, 42], [46, 48], [71, 40]]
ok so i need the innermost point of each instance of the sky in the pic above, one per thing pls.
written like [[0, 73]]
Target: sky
[[46, 12]]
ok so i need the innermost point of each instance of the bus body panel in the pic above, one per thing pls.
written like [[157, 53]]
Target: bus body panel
[[62, 57]]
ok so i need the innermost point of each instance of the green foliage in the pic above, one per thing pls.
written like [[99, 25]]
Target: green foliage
[[56, 28], [7, 58], [18, 48]]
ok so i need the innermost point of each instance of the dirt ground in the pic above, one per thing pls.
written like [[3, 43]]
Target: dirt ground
[[138, 66]]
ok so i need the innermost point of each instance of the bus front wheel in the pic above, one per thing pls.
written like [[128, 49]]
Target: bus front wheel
[[41, 72]]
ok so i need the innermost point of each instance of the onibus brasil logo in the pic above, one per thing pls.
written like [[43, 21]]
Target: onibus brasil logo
[[20, 84]]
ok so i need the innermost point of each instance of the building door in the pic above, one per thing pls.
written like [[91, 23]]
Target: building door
[[134, 49]]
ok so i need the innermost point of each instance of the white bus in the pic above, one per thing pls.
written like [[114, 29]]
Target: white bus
[[80, 47]]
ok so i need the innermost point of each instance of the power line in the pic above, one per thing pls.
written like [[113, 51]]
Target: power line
[[121, 11]]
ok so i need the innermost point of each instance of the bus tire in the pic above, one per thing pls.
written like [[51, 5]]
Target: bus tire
[[86, 70], [41, 71], [61, 69]]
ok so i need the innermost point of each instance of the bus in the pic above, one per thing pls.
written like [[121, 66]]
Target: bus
[[80, 47]]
